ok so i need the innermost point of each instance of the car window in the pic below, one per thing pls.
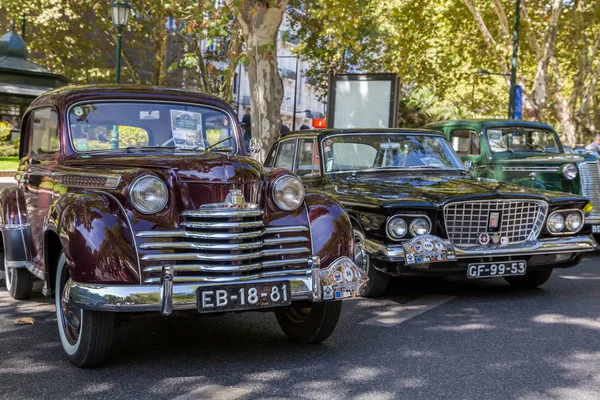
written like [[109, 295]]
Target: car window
[[308, 158], [44, 132], [340, 156], [271, 157], [465, 142], [117, 125], [510, 139], [286, 154]]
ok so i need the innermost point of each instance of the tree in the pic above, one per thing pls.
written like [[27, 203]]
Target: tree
[[259, 21]]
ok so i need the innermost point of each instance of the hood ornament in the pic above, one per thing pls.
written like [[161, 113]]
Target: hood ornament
[[234, 200]]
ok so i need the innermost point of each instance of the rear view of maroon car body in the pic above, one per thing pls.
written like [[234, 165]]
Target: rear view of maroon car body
[[143, 200]]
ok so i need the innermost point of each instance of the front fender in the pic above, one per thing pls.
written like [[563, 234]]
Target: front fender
[[330, 228], [97, 238]]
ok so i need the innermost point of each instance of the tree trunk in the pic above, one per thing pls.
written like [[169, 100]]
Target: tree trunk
[[260, 21], [233, 55], [160, 39]]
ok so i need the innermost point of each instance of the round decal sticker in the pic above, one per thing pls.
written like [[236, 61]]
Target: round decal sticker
[[484, 238], [337, 276], [439, 245], [348, 274], [418, 247], [428, 246], [78, 111]]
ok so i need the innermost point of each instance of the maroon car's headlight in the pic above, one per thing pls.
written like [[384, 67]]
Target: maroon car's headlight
[[288, 192], [149, 194]]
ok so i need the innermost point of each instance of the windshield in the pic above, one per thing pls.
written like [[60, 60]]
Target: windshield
[[366, 151], [522, 139], [121, 125]]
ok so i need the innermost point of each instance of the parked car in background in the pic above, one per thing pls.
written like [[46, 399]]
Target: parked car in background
[[525, 153], [416, 211], [141, 200]]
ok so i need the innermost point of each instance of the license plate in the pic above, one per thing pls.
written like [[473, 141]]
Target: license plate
[[486, 270], [595, 228], [243, 297]]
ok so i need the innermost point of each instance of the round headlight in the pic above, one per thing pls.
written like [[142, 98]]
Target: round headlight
[[419, 226], [569, 171], [288, 193], [149, 194], [396, 228], [573, 221], [556, 222]]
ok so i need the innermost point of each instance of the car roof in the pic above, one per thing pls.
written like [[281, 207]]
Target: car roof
[[490, 122], [72, 93], [334, 131]]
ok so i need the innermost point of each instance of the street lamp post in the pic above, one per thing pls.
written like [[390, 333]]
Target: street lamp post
[[120, 15], [514, 61]]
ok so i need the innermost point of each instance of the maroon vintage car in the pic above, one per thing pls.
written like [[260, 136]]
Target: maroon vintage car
[[141, 200]]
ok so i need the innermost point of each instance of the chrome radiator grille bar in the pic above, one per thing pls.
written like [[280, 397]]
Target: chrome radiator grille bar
[[223, 245], [590, 184], [520, 220]]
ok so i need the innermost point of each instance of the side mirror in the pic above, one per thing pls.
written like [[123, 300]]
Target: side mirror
[[255, 145], [469, 166]]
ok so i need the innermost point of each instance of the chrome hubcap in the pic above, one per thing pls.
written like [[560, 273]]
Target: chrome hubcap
[[70, 317]]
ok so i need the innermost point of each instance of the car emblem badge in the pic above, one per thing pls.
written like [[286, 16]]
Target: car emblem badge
[[234, 199], [495, 239], [484, 238], [494, 220], [504, 240]]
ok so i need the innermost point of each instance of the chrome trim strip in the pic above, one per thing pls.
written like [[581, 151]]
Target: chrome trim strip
[[222, 257], [221, 246], [229, 268], [25, 249], [576, 244], [223, 225], [592, 220], [286, 229], [166, 290], [219, 235], [223, 213], [137, 253], [58, 179], [230, 279], [15, 226], [530, 169]]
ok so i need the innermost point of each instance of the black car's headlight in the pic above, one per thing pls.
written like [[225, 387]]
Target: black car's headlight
[[149, 194], [396, 227], [288, 192], [569, 171], [565, 221], [419, 226]]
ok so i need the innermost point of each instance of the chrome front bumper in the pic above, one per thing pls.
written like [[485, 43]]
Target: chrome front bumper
[[576, 244], [305, 284]]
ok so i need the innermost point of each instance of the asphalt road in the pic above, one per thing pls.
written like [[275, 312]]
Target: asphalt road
[[425, 340]]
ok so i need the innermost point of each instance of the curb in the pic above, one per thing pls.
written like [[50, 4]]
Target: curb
[[7, 173]]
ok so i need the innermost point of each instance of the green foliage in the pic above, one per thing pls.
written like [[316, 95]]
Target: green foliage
[[423, 106], [4, 131]]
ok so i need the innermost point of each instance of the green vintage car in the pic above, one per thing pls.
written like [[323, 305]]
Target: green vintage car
[[526, 153]]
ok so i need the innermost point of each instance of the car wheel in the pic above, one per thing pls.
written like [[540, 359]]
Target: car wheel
[[530, 280], [378, 281], [309, 323], [19, 281], [86, 336]]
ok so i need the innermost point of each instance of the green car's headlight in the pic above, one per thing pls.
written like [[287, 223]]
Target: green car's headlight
[[569, 171]]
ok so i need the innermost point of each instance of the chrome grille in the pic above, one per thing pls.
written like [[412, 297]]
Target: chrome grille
[[223, 245], [520, 220], [590, 184]]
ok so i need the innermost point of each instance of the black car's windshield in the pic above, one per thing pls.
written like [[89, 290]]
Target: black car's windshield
[[123, 126], [513, 139], [367, 151]]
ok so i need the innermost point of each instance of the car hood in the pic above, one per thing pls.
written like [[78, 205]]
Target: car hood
[[403, 190], [529, 159], [201, 167]]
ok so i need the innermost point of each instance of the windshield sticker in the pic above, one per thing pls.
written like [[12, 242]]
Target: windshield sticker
[[186, 127], [81, 144], [78, 111]]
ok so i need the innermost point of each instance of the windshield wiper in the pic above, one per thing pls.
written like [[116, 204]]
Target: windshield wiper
[[130, 149], [226, 148], [500, 144]]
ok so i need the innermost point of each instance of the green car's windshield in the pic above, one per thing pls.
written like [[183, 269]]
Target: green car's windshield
[[129, 125], [513, 139], [367, 151]]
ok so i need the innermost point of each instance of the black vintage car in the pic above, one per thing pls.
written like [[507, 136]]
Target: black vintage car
[[416, 210]]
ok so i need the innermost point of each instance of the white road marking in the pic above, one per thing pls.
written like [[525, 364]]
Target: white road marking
[[591, 278], [404, 312], [214, 392]]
